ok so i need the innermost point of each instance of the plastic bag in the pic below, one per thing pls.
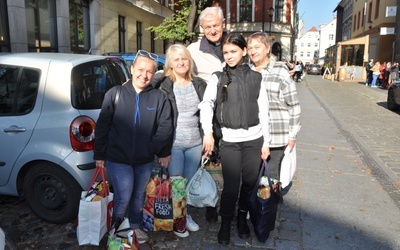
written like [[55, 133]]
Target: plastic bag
[[201, 190], [288, 166]]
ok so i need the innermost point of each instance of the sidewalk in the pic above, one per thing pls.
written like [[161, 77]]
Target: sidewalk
[[341, 196]]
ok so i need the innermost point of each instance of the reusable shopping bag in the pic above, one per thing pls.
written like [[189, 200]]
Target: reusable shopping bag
[[95, 210], [164, 208], [288, 166], [201, 190], [263, 204]]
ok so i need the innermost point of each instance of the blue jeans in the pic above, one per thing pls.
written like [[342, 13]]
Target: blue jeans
[[185, 161], [129, 183], [374, 78]]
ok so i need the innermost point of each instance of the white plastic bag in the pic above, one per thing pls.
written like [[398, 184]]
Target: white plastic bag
[[201, 190], [94, 217], [288, 166]]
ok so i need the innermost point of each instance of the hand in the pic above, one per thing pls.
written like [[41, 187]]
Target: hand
[[291, 144], [208, 144], [99, 163], [164, 161], [265, 153]]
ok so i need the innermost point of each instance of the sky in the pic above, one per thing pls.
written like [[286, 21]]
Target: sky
[[316, 12]]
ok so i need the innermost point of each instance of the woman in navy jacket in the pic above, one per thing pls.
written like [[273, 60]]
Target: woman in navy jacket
[[134, 125]]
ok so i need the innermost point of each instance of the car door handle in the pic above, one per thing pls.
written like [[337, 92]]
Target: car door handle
[[14, 129]]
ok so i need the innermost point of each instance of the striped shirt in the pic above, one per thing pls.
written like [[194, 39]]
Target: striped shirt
[[284, 106]]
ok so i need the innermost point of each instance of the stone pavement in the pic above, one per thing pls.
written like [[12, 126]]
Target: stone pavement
[[345, 194]]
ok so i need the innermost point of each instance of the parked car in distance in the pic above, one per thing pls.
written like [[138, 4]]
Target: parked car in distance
[[314, 69], [129, 57], [393, 97], [49, 103]]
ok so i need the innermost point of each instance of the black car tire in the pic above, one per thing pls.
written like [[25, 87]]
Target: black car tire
[[391, 103], [52, 193]]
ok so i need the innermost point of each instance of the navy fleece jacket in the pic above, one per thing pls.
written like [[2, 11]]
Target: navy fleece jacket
[[138, 128]]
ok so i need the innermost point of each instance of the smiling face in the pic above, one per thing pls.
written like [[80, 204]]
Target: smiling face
[[180, 64], [143, 70], [258, 52], [213, 27], [233, 54]]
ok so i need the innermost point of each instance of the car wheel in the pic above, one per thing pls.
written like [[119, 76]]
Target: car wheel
[[391, 104], [52, 193]]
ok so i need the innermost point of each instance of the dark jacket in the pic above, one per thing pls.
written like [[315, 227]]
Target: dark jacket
[[167, 87], [138, 128], [240, 110]]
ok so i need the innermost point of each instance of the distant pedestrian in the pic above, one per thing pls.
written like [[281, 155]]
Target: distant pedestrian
[[368, 67], [375, 74]]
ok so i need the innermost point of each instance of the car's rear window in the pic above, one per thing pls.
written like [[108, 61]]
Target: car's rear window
[[90, 81]]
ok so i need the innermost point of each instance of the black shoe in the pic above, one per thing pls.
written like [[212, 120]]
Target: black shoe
[[211, 214], [243, 228], [224, 233]]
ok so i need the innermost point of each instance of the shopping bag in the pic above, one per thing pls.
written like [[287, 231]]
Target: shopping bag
[[179, 203], [122, 237], [158, 207], [288, 166], [263, 204], [214, 168], [95, 211], [201, 190]]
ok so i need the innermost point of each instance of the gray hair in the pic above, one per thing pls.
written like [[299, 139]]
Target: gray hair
[[211, 11]]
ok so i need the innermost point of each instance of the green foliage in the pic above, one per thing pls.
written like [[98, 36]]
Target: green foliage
[[175, 27]]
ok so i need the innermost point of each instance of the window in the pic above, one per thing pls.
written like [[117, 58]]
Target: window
[[91, 80], [121, 33], [316, 45], [301, 54], [18, 88], [330, 36], [79, 25], [138, 35], [302, 45], [279, 12], [377, 9], [41, 25], [4, 38], [308, 54], [152, 41], [308, 44], [245, 10]]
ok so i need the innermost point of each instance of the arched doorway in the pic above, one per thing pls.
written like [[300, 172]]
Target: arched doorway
[[277, 51]]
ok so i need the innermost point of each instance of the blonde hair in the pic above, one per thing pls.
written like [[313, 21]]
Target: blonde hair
[[178, 49]]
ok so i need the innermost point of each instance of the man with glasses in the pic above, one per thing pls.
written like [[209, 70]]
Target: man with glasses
[[208, 58], [134, 125]]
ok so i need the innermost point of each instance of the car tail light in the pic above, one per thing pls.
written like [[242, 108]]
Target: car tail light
[[81, 133]]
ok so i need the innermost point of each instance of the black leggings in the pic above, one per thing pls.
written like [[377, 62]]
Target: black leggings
[[241, 163]]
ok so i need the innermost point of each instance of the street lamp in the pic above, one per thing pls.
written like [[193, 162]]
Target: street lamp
[[370, 24], [263, 10], [270, 14]]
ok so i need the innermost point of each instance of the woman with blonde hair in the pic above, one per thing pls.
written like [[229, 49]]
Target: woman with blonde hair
[[185, 92]]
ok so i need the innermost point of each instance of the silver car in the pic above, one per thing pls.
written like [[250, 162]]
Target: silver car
[[49, 103]]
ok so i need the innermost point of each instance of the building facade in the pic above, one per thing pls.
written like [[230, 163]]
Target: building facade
[[307, 47], [80, 26]]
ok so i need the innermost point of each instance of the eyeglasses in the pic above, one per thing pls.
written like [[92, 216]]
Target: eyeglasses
[[147, 54]]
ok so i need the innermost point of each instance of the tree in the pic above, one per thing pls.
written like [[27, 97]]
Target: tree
[[181, 25]]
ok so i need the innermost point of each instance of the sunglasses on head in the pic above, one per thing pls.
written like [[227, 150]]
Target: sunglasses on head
[[147, 54]]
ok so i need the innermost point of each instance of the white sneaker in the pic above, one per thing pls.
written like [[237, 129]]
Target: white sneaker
[[182, 235], [141, 236], [190, 224]]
